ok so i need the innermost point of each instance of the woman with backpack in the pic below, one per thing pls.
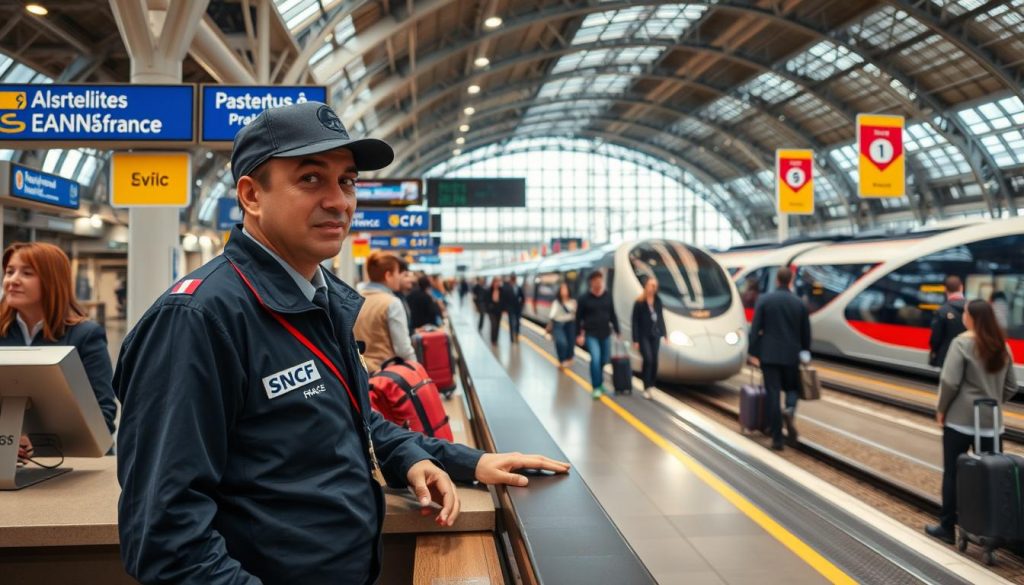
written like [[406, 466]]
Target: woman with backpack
[[562, 325], [978, 365]]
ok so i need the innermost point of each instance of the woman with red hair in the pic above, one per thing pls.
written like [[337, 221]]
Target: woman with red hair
[[39, 308]]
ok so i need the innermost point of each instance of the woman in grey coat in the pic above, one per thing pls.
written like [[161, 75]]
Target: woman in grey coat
[[978, 365]]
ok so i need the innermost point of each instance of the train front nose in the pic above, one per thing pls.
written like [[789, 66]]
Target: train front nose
[[701, 355]]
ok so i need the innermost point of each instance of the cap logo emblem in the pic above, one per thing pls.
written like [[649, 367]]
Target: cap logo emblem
[[329, 119]]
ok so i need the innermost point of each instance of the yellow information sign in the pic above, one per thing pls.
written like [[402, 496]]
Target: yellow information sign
[[794, 181], [881, 168], [361, 248], [150, 179]]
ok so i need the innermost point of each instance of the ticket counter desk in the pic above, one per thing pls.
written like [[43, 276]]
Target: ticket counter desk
[[64, 530]]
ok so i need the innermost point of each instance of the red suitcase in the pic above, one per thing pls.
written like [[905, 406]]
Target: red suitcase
[[434, 351], [403, 393]]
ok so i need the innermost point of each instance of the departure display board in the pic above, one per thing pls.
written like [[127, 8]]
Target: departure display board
[[476, 192]]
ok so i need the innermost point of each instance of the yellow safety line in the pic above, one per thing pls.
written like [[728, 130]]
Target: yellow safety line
[[896, 387], [787, 538]]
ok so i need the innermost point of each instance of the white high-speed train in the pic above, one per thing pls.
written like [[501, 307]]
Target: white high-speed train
[[703, 313], [872, 299]]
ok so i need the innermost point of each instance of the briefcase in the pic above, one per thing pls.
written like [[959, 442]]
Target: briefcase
[[810, 385]]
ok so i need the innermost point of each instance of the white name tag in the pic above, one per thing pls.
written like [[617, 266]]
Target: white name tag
[[287, 380]]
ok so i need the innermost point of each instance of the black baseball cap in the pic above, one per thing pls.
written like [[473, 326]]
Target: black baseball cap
[[300, 130]]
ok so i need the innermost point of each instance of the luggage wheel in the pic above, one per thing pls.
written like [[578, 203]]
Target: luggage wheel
[[961, 543]]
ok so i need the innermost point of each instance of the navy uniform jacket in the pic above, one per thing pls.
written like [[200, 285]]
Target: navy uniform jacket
[[781, 329], [90, 339], [238, 461]]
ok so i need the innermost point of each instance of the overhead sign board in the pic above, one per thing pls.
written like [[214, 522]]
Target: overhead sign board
[[150, 179], [401, 243], [427, 259], [881, 168], [28, 184], [794, 181], [389, 192], [228, 213], [227, 109], [377, 221], [54, 114], [476, 192]]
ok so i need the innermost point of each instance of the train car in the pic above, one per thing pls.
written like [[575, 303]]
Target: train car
[[703, 313], [874, 300]]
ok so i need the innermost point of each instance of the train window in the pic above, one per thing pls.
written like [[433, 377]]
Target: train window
[[690, 282], [818, 284], [546, 292], [756, 283], [991, 269], [732, 270]]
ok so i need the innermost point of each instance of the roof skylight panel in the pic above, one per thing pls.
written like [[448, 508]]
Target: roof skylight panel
[[887, 27], [846, 159], [770, 87], [691, 128], [823, 60], [727, 109]]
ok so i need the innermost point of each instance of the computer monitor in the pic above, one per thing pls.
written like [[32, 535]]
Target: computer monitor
[[45, 390]]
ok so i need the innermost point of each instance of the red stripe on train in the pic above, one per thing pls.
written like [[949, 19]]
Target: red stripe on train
[[916, 337]]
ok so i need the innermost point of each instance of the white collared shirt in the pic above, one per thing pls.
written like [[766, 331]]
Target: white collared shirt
[[28, 335], [308, 287]]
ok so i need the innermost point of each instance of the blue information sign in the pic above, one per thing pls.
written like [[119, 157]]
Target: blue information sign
[[401, 243], [427, 259], [228, 213], [226, 109], [42, 187], [387, 221], [122, 113]]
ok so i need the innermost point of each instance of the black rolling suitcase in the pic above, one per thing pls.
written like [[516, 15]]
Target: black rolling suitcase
[[753, 416], [989, 493], [622, 370]]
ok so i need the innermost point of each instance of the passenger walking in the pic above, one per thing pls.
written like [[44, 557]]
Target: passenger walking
[[423, 307], [595, 321], [494, 307], [480, 302], [512, 301], [648, 325], [562, 323], [979, 365], [780, 339], [382, 322], [248, 449], [39, 308], [947, 322], [463, 290]]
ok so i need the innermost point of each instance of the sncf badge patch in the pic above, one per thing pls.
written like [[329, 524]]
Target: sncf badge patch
[[187, 286]]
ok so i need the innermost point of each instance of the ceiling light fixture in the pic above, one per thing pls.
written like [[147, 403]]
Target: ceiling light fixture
[[473, 89], [37, 9], [493, 22], [464, 128], [469, 110], [96, 221], [457, 152], [460, 140], [482, 62]]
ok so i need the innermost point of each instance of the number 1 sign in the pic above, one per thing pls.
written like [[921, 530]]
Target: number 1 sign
[[881, 167]]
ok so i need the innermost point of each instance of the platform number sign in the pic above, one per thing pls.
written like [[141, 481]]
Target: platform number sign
[[881, 167], [794, 181]]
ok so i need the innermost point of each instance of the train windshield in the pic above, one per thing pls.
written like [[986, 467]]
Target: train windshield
[[690, 282]]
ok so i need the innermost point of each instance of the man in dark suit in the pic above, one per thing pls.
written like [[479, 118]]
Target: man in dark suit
[[512, 301], [948, 321], [780, 338]]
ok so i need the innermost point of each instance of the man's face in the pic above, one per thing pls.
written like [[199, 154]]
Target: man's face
[[597, 286], [305, 208]]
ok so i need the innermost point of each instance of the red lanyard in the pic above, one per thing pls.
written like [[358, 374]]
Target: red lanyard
[[303, 340]]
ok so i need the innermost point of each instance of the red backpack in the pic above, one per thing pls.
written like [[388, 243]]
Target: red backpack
[[403, 393]]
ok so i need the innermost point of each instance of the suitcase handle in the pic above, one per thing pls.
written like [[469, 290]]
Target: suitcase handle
[[996, 424]]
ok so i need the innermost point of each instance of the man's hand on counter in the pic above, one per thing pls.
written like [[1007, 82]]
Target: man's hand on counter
[[498, 468]]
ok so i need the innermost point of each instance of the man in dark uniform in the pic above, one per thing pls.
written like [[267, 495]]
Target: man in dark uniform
[[248, 449], [948, 322], [512, 302], [780, 338]]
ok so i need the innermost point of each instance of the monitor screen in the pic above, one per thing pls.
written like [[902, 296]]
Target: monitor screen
[[389, 192]]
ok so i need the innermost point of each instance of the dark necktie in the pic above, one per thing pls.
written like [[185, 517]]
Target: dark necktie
[[320, 299]]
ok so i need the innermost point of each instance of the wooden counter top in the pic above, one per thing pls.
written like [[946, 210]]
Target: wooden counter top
[[80, 508]]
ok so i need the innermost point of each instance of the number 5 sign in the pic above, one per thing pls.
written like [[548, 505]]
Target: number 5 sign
[[794, 181], [881, 168]]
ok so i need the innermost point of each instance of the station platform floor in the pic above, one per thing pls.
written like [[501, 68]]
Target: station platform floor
[[677, 509]]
